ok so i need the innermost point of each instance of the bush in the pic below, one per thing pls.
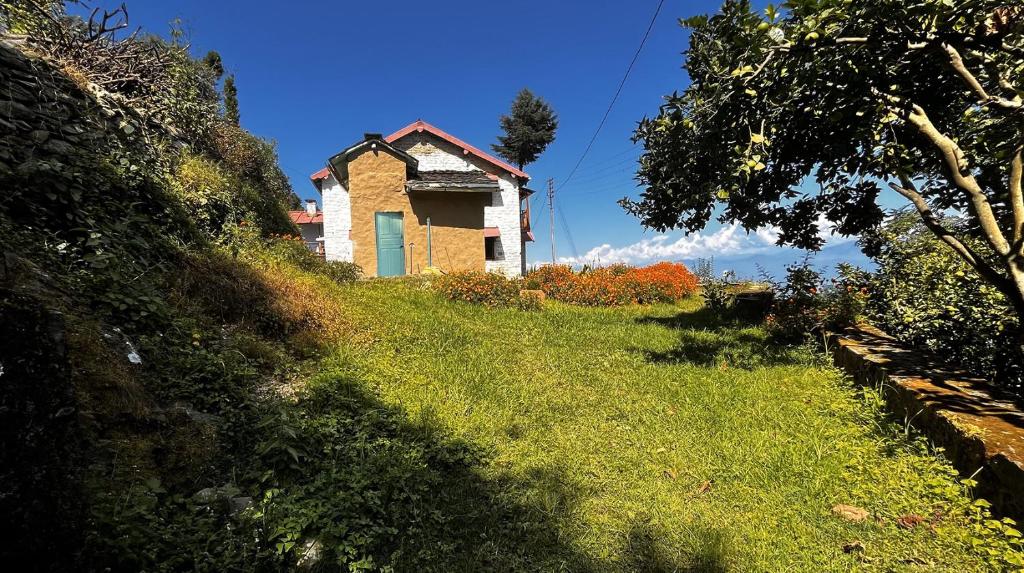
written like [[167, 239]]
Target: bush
[[664, 282], [925, 295], [600, 287], [718, 295], [342, 271], [805, 304], [554, 280], [291, 249], [207, 191], [489, 289], [614, 285]]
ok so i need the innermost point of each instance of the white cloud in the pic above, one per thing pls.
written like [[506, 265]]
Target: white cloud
[[728, 241]]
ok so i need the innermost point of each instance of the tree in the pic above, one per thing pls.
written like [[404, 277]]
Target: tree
[[922, 95], [529, 129], [212, 60], [231, 100]]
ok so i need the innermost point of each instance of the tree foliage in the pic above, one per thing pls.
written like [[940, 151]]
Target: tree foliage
[[231, 100], [923, 95], [927, 296], [213, 61], [529, 129]]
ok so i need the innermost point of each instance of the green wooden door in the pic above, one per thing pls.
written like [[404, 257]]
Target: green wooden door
[[390, 245]]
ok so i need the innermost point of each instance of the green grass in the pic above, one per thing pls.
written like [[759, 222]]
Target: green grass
[[594, 434]]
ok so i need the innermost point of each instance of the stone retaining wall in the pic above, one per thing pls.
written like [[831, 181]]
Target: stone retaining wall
[[982, 436]]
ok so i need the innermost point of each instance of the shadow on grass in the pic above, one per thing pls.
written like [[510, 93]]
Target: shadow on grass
[[375, 484], [645, 554], [702, 318], [707, 338]]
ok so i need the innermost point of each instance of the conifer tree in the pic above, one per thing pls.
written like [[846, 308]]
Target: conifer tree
[[231, 100], [529, 129]]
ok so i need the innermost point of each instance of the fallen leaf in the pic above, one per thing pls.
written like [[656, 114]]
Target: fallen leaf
[[853, 546], [705, 486], [909, 521], [850, 513]]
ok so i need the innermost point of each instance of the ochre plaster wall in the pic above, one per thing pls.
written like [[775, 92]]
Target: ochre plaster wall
[[377, 184]]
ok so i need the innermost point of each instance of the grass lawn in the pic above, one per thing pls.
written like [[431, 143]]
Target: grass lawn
[[642, 439]]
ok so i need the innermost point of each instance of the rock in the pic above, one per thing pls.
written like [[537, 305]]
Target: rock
[[211, 495], [850, 513], [240, 504], [206, 496]]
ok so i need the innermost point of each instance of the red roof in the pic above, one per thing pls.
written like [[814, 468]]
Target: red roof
[[322, 174], [419, 125], [492, 232], [303, 218]]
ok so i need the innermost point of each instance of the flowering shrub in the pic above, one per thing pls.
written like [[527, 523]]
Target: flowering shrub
[[599, 287], [614, 285], [489, 289], [554, 280], [663, 282], [805, 303]]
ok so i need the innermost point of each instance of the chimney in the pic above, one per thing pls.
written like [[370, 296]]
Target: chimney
[[311, 207]]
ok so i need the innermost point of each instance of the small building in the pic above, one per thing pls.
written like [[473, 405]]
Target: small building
[[420, 198], [310, 222]]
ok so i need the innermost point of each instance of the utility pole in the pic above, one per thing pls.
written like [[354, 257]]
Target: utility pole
[[551, 211]]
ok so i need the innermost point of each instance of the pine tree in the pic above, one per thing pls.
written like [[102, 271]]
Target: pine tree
[[529, 129], [231, 100]]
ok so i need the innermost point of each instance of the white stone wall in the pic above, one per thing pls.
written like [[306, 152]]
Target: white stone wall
[[310, 233], [504, 214], [337, 220], [435, 154]]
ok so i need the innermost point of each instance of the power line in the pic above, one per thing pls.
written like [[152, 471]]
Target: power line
[[631, 149], [616, 96], [568, 233], [593, 138], [617, 176], [611, 167]]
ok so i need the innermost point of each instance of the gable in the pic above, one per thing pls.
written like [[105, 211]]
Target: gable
[[420, 137], [372, 143], [434, 154]]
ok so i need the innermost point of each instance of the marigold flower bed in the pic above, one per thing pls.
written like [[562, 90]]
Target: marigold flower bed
[[614, 285]]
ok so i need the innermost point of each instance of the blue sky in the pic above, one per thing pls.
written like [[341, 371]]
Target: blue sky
[[315, 75]]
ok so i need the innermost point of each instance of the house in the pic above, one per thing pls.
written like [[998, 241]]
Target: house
[[310, 222], [420, 198]]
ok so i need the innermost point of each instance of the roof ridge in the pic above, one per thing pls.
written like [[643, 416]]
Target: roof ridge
[[419, 125]]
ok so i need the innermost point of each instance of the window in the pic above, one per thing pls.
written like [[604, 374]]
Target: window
[[491, 248]]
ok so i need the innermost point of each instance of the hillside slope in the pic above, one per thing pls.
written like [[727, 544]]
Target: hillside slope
[[144, 309]]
